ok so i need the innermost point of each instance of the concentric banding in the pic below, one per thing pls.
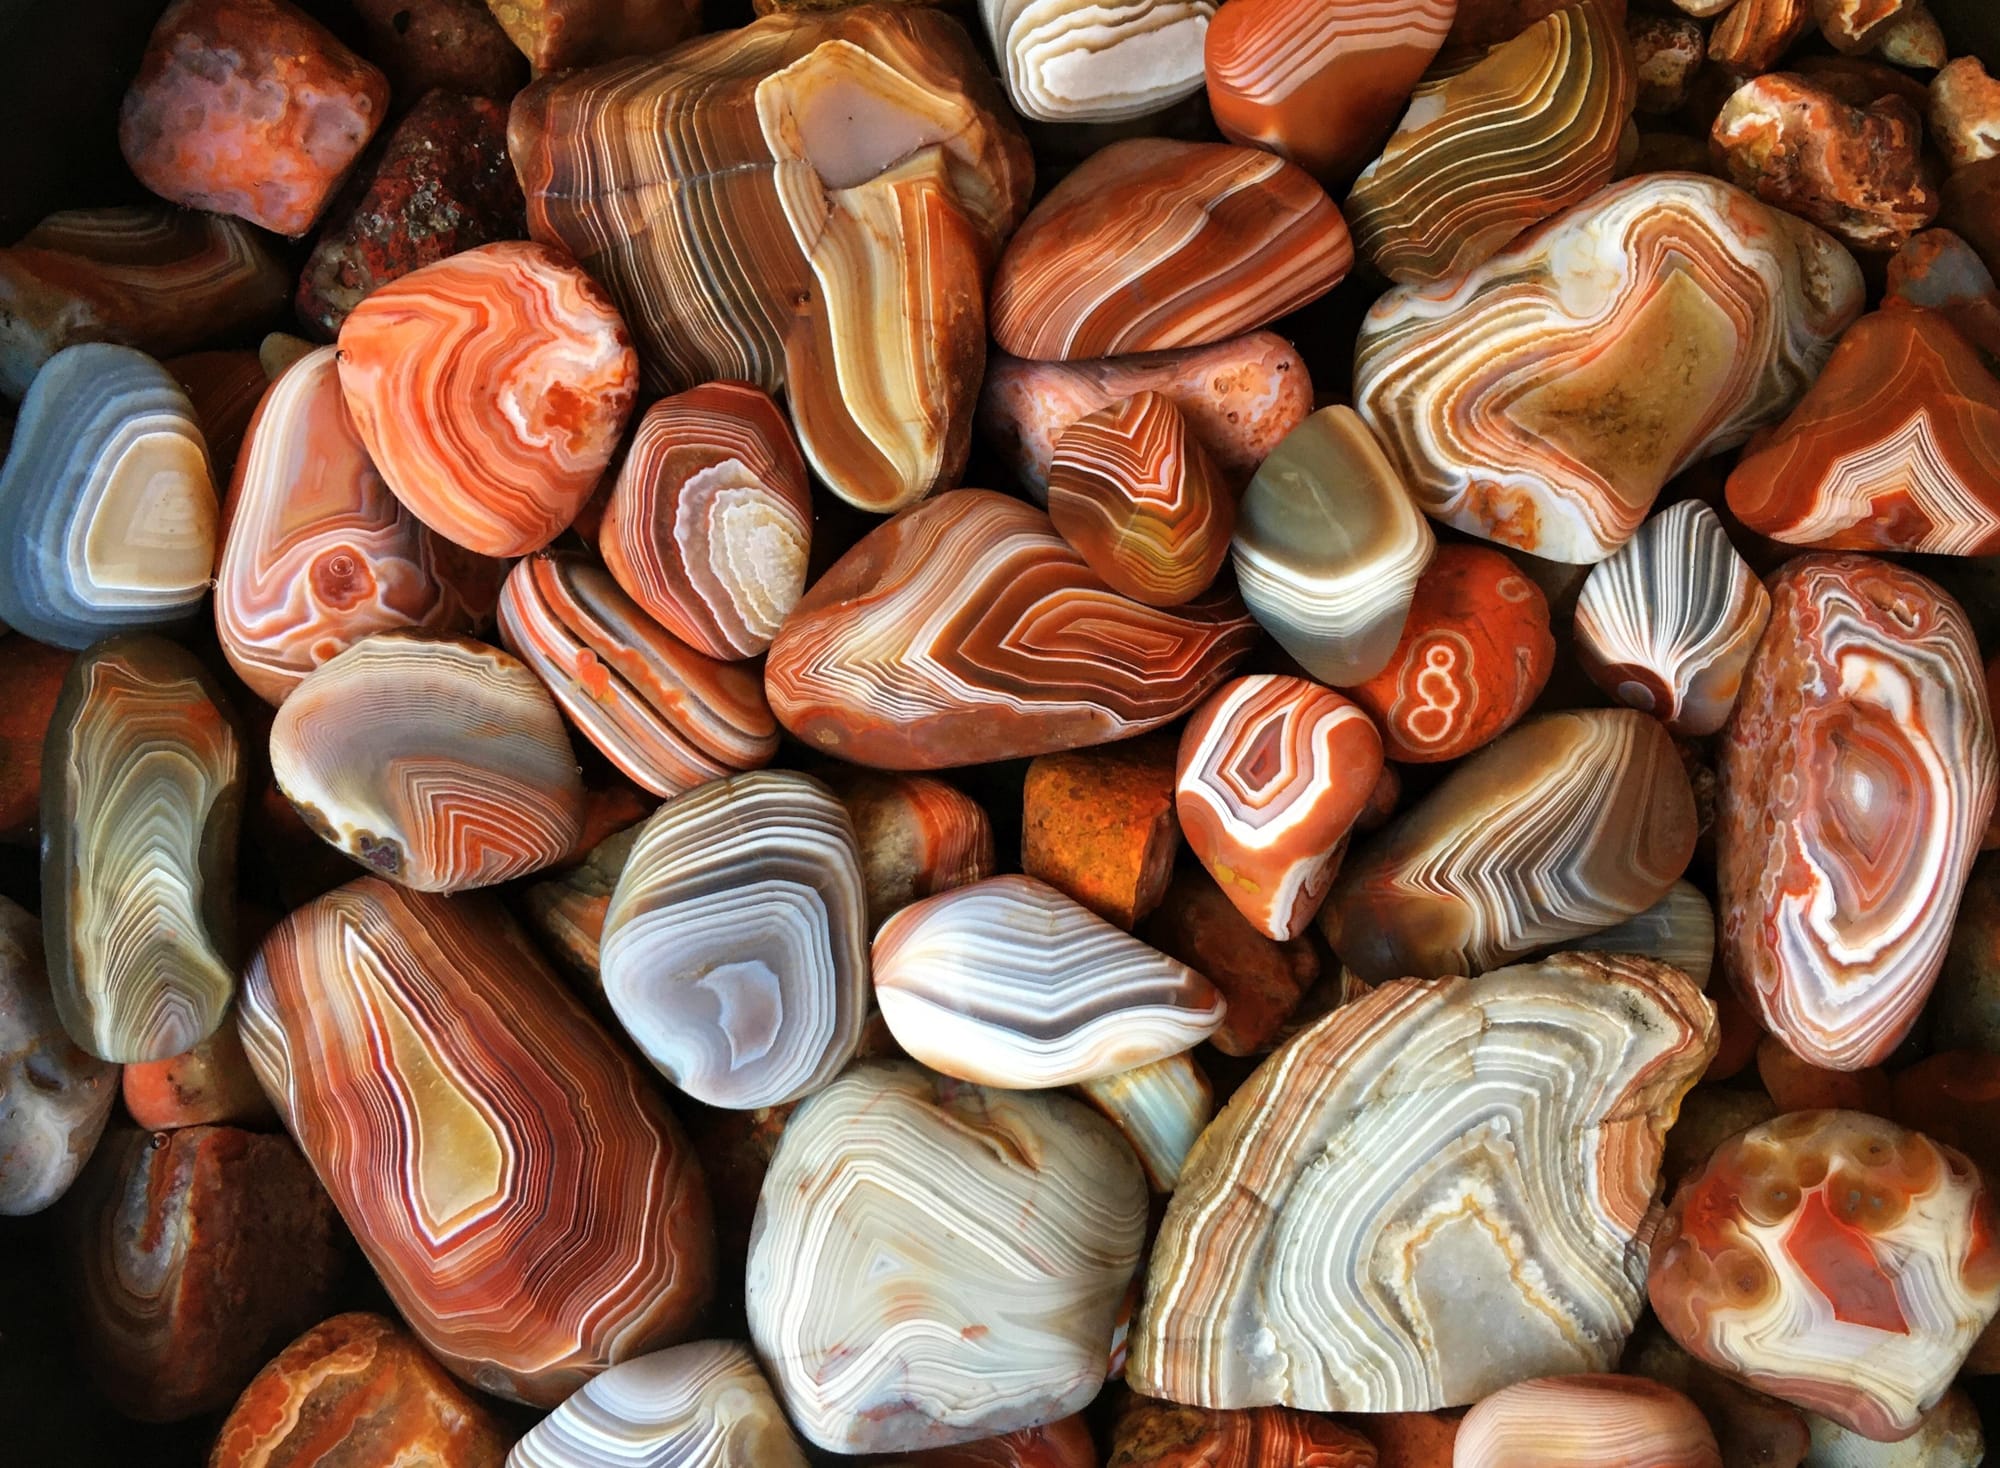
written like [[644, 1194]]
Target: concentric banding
[[1586, 1421], [1679, 930], [1105, 61], [1161, 1107]]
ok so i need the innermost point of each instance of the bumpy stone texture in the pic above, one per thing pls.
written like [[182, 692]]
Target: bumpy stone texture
[[1834, 1260], [1543, 399], [447, 45], [477, 1128], [1667, 53], [1163, 1435], [1586, 1421], [1098, 825], [1070, 62], [1856, 780], [1361, 1231], [251, 108], [916, 836], [1965, 112]]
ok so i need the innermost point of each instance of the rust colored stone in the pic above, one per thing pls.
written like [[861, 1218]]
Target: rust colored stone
[[31, 677], [1740, 1035], [556, 34], [1953, 1098], [1098, 824], [211, 1083], [1965, 112], [1965, 1008], [1263, 980], [918, 836], [1755, 34], [357, 1391], [1410, 1439], [1667, 51], [607, 810], [1483, 23], [1938, 271], [1797, 1086], [1166, 1435], [1382, 801], [442, 184], [1972, 207], [454, 45], [225, 388]]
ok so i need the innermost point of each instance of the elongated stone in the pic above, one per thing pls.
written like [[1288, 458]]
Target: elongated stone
[[141, 798], [1664, 319], [1358, 1231], [984, 1239], [1161, 1107], [477, 1129], [734, 949], [1679, 929], [1595, 1420], [1078, 63]]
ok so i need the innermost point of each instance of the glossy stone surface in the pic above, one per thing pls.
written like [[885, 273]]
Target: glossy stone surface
[[1086, 63], [356, 1391], [107, 511], [1273, 773], [251, 108], [1663, 320], [1856, 780], [482, 785], [1834, 1260], [490, 389], [1527, 131], [316, 552], [476, 1129], [1162, 1435], [983, 1238], [196, 1254], [666, 715], [141, 796], [1098, 825], [1152, 244], [1667, 624], [734, 949], [224, 389], [1355, 1232], [1474, 651], [1587, 1421], [207, 1083], [965, 631], [54, 1096], [1329, 548], [710, 522], [1161, 1107], [1064, 1443], [567, 914]]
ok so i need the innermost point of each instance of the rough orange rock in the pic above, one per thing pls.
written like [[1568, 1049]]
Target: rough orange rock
[[211, 1083], [31, 677], [1166, 1435], [1965, 112], [1098, 824], [1756, 33], [1262, 979], [1797, 1086], [917, 836]]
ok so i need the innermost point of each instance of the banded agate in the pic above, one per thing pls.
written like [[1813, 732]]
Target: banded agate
[[1273, 772], [1066, 62], [439, 762], [1530, 129], [1162, 1435], [490, 390], [1857, 778], [1834, 1260], [477, 1129], [1161, 1107], [1151, 244], [1064, 1443], [668, 716], [966, 631], [1587, 1421], [734, 950], [1896, 447], [142, 793], [1329, 548], [981, 1240], [1570, 823], [747, 231], [160, 279], [316, 552], [1316, 83], [1679, 930], [1135, 495], [1664, 319], [710, 521], [107, 511], [702, 1405], [1010, 984], [1667, 623], [1362, 1230]]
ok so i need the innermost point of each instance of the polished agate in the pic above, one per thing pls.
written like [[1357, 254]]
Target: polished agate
[[749, 229], [1544, 397], [1856, 780], [734, 950], [1319, 84], [439, 762], [142, 791], [1896, 447], [1329, 547], [1834, 1260], [477, 1129], [1568, 824], [966, 631], [980, 1241], [701, 1405], [1163, 1435], [1009, 983], [490, 390], [1161, 1107], [1593, 1420], [142, 275], [107, 511], [1064, 61], [1667, 623], [1364, 1228], [316, 552], [1273, 772], [1151, 244], [1679, 929], [710, 522], [1525, 132], [1135, 495], [668, 716], [54, 1096]]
